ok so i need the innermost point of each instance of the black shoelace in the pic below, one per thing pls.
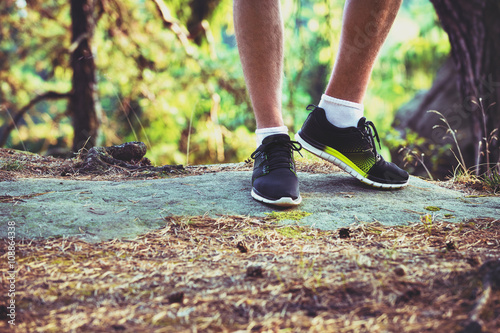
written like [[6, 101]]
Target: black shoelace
[[279, 152], [369, 134]]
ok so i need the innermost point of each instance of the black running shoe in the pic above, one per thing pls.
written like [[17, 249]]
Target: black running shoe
[[352, 149], [274, 179]]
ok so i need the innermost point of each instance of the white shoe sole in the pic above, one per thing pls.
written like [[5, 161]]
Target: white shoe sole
[[282, 202], [344, 166]]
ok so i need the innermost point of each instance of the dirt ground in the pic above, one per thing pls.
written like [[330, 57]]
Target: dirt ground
[[251, 275], [248, 274]]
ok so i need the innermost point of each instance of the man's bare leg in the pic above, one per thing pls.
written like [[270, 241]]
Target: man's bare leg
[[336, 130], [366, 24], [259, 34]]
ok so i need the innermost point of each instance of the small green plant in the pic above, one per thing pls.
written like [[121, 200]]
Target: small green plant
[[432, 208], [463, 176], [452, 132], [491, 177], [411, 155], [278, 276], [12, 165], [492, 180], [310, 273], [427, 220]]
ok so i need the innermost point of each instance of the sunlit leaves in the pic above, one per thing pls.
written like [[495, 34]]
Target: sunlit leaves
[[184, 103]]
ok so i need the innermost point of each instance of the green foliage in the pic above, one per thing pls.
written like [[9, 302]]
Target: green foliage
[[188, 102]]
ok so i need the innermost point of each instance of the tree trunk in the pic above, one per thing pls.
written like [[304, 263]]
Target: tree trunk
[[83, 102], [474, 32]]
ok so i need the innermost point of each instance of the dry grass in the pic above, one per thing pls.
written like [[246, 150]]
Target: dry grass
[[252, 275], [17, 164]]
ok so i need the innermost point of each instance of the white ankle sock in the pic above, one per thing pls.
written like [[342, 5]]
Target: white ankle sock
[[262, 133], [341, 113]]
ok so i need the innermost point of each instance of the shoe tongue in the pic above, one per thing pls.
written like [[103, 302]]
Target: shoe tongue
[[361, 122], [276, 137]]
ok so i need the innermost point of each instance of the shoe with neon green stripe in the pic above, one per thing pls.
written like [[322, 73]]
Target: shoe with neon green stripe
[[352, 149]]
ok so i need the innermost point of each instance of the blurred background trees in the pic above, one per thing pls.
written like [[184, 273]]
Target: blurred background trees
[[465, 91], [167, 73], [474, 32]]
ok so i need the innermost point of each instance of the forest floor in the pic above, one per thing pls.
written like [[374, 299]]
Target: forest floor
[[230, 273]]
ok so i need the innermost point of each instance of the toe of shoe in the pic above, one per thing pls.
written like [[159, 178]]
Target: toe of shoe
[[277, 185], [388, 173]]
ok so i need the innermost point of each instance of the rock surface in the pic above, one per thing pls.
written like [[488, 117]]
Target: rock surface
[[99, 210]]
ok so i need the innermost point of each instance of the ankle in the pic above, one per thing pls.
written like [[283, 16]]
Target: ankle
[[263, 133], [341, 113]]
